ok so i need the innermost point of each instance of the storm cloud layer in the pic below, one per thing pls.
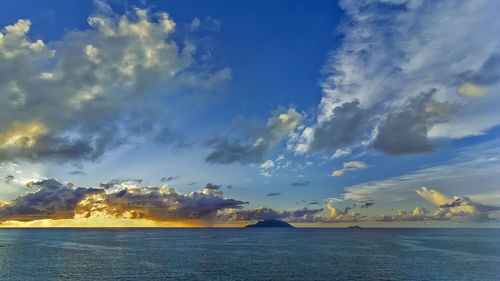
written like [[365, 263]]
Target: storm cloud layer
[[54, 200]]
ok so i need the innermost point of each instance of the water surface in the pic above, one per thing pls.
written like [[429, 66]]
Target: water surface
[[249, 254]]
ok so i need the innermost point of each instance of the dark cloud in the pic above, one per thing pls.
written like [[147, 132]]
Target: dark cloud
[[166, 204], [488, 74], [9, 178], [300, 183], [225, 152], [119, 182], [210, 186], [77, 173], [52, 200], [262, 213], [169, 179], [455, 203], [366, 204], [273, 194], [347, 125], [257, 144], [405, 131]]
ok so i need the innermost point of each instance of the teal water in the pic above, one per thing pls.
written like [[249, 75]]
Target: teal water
[[250, 254]]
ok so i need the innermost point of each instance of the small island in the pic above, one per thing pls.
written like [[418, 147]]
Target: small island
[[354, 227], [270, 223]]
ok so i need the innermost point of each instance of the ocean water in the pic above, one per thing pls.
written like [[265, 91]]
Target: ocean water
[[250, 254]]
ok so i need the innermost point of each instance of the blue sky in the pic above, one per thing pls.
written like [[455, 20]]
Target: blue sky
[[378, 113]]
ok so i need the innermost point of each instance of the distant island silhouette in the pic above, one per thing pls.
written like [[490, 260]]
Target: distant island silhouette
[[270, 223], [354, 226]]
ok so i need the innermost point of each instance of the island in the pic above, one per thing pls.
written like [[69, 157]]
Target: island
[[270, 223], [354, 227]]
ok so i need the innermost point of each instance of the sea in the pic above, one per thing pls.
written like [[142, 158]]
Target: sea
[[249, 254]]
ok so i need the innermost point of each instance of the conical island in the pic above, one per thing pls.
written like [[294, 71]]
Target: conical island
[[270, 223]]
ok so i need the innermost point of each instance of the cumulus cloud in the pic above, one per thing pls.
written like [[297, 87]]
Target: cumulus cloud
[[338, 216], [349, 166], [54, 200], [418, 214], [51, 200], [55, 95], [256, 146], [262, 213], [456, 208], [452, 208], [407, 74]]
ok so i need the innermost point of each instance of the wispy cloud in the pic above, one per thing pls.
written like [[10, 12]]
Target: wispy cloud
[[404, 77]]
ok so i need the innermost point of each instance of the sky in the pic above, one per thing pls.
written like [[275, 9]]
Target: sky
[[379, 113]]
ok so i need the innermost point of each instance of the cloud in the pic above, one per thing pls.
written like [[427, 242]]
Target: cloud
[[452, 208], [262, 213], [419, 214], [377, 85], [456, 208], [262, 139], [475, 165], [273, 194], [346, 126], [349, 166], [340, 152], [208, 24], [9, 178], [406, 131], [367, 204], [121, 183], [339, 216], [54, 200], [210, 186], [300, 183], [170, 178], [55, 95]]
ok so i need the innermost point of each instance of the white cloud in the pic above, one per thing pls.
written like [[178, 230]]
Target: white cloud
[[349, 166], [341, 152], [106, 73]]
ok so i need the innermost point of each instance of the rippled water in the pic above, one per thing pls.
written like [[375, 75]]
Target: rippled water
[[250, 254]]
